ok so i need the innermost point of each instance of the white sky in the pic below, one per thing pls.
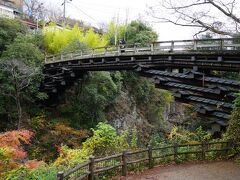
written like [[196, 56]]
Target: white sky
[[96, 12]]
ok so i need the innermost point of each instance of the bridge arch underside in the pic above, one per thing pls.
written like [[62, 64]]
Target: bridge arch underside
[[189, 76]]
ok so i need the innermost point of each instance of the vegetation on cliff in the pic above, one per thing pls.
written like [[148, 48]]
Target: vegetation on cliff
[[81, 124]]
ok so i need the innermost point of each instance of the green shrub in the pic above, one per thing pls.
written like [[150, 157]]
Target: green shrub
[[105, 140], [233, 131], [9, 29]]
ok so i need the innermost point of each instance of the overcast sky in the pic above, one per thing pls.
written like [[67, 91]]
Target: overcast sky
[[96, 12]]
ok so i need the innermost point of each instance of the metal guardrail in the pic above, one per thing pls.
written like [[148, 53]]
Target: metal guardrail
[[149, 156], [201, 45]]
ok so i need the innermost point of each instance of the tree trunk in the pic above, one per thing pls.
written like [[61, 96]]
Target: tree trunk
[[19, 110]]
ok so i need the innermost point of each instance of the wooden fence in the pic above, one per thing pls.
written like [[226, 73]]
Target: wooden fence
[[201, 45], [150, 157]]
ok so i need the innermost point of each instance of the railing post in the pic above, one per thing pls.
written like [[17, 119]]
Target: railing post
[[61, 56], [223, 145], [229, 145], [203, 150], [152, 47], [175, 151], [105, 51], [91, 168], [150, 158], [135, 48], [60, 175], [119, 50], [195, 45], [92, 52], [172, 46], [124, 163], [221, 44], [81, 53]]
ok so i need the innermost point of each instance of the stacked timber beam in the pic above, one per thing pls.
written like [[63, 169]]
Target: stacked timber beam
[[214, 96]]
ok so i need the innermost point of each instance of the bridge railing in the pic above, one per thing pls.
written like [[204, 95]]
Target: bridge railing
[[149, 157], [201, 45]]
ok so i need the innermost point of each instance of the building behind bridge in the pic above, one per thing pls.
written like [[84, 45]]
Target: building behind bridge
[[11, 8]]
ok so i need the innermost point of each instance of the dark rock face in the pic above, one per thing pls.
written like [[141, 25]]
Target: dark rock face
[[125, 114]]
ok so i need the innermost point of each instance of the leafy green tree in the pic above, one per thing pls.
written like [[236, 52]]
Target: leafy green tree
[[20, 73], [90, 99], [26, 48], [149, 98], [233, 131], [237, 101], [19, 83], [75, 45], [56, 40], [115, 33], [9, 30], [140, 32], [103, 141]]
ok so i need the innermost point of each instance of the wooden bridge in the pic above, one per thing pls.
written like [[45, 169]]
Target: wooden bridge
[[184, 67]]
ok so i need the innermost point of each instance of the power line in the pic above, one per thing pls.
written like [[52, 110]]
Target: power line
[[84, 13], [112, 12], [104, 6], [96, 21]]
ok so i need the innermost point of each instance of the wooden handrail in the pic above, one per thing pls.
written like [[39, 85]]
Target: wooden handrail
[[124, 162], [218, 44], [108, 157], [76, 168], [191, 40]]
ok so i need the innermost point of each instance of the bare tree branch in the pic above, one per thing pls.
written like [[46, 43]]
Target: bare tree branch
[[229, 14], [203, 14], [201, 31], [19, 77], [34, 8]]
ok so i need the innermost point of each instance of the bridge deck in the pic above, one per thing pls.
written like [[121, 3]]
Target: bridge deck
[[220, 54]]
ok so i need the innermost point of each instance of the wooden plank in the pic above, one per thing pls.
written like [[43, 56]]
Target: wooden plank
[[107, 168], [138, 152], [76, 168], [137, 161], [221, 142], [215, 150], [160, 148], [189, 145], [82, 177], [190, 152], [108, 158], [162, 156]]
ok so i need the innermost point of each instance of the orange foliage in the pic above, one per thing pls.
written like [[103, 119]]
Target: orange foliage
[[13, 139], [33, 164], [62, 129], [62, 133]]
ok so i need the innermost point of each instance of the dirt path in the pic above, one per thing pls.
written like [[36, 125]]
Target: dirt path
[[222, 170]]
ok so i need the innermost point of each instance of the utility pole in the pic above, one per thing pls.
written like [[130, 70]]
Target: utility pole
[[38, 14], [64, 11], [126, 23], [116, 30]]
